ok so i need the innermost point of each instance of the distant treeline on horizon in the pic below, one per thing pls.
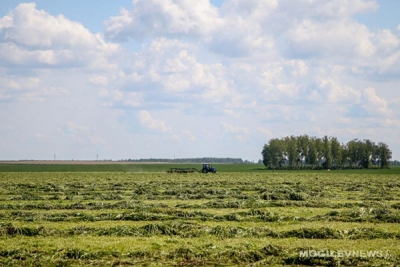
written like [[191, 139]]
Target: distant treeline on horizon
[[193, 160], [395, 163]]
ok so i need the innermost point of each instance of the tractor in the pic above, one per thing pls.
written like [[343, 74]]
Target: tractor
[[208, 168]]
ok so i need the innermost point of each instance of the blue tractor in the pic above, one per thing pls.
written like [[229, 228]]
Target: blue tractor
[[208, 168]]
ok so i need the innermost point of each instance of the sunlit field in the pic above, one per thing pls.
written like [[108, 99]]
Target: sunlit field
[[238, 217]]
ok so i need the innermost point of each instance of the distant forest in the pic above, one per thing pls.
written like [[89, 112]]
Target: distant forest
[[305, 152], [395, 163], [194, 160]]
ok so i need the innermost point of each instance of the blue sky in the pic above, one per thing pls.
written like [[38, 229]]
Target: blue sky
[[151, 78], [386, 17]]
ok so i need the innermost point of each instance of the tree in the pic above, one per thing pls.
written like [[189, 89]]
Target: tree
[[312, 155], [296, 150], [319, 147], [327, 152], [266, 156], [355, 152], [345, 156], [366, 157], [385, 155], [337, 152], [303, 144], [273, 153], [291, 150]]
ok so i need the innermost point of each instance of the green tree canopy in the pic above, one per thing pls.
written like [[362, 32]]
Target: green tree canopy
[[327, 152]]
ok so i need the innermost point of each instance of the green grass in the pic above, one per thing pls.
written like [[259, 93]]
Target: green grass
[[242, 218], [163, 167]]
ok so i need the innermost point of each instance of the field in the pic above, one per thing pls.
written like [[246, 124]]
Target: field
[[116, 166], [127, 214]]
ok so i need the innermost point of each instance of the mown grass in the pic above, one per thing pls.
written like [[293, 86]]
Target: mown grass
[[229, 219]]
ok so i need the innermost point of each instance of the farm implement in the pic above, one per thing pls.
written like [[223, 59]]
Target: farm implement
[[206, 169]]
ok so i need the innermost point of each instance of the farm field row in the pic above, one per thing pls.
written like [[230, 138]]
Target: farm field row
[[227, 219], [116, 166]]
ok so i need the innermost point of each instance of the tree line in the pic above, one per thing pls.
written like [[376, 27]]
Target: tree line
[[305, 152], [192, 160], [395, 163]]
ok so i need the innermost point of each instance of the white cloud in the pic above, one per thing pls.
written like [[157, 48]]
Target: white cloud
[[296, 66], [154, 124], [34, 38], [335, 92], [171, 66], [189, 135], [72, 127], [386, 42], [99, 80], [266, 132], [342, 8], [28, 89], [80, 134], [234, 129], [133, 99], [373, 103], [163, 17], [37, 29]]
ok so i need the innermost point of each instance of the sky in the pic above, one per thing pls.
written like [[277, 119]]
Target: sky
[[182, 79]]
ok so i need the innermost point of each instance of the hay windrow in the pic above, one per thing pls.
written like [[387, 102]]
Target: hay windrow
[[229, 219]]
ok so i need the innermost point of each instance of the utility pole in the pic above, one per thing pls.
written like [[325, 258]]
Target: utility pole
[[97, 157], [54, 157]]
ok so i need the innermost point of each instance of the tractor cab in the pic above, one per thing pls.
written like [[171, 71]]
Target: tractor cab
[[208, 168]]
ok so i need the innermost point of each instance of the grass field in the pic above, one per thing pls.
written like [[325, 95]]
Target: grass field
[[120, 167], [241, 216], [157, 167]]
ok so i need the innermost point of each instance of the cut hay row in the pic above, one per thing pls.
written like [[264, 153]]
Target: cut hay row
[[227, 219], [191, 230]]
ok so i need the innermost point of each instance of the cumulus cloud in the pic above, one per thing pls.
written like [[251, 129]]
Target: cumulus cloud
[[170, 67], [51, 48], [163, 18], [154, 124], [34, 38], [336, 93], [373, 103], [302, 67], [37, 29], [267, 29]]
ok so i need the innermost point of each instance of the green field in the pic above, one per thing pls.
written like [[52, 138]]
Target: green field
[[163, 167], [137, 214], [113, 167]]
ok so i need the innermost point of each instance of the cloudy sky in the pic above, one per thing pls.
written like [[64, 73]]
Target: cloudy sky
[[194, 78]]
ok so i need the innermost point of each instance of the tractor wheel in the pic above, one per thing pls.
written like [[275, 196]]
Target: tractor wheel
[[204, 171]]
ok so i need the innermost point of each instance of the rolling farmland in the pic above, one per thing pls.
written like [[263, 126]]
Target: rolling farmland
[[248, 217]]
